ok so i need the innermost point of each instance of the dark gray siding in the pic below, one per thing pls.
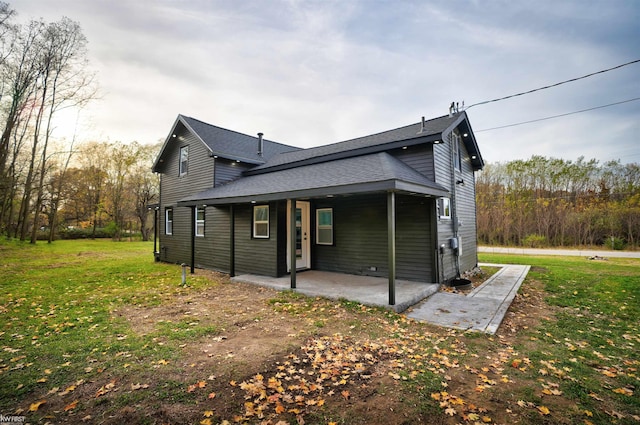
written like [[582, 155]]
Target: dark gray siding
[[177, 247], [414, 242], [255, 256], [361, 238], [227, 170], [464, 208], [212, 250], [466, 203], [419, 157], [282, 239], [442, 163]]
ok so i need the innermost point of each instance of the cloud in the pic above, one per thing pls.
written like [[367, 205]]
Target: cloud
[[315, 72]]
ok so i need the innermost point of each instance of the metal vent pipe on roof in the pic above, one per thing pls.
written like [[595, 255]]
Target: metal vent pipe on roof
[[260, 144]]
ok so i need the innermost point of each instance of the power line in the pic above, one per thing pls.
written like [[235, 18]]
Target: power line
[[558, 116], [553, 85]]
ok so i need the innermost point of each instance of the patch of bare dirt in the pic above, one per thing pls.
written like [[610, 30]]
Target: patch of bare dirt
[[259, 338]]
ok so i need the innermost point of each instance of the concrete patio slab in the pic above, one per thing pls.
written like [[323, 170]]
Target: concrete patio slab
[[371, 291]]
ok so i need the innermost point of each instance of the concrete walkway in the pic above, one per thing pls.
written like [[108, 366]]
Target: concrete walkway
[[565, 252], [482, 310], [367, 290]]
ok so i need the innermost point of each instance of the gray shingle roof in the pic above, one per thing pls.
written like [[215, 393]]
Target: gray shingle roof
[[374, 172], [433, 128], [233, 145]]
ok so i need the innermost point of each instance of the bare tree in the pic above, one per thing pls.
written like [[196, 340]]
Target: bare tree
[[19, 74], [144, 185], [121, 160], [94, 158], [64, 82]]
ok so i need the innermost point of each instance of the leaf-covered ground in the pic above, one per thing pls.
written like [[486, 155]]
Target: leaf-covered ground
[[96, 332]]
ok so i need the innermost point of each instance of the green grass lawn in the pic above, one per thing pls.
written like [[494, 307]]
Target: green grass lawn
[[590, 345], [570, 357]]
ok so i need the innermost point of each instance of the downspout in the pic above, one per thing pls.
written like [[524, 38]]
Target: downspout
[[193, 239], [156, 229], [162, 225], [454, 204]]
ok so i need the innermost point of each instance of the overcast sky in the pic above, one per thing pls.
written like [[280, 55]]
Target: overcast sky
[[309, 73]]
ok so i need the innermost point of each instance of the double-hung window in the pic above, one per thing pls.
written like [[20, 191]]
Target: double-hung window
[[324, 226], [200, 214], [168, 221], [184, 160], [261, 221]]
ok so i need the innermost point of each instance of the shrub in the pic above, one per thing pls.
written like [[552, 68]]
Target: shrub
[[535, 241], [615, 243]]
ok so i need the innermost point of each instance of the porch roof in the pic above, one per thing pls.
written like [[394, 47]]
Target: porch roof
[[368, 173]]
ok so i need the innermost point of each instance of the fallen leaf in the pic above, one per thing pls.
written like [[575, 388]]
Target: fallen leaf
[[71, 405], [450, 411], [345, 394], [138, 386], [208, 413], [67, 390], [211, 396], [33, 407], [624, 391], [206, 422], [544, 410]]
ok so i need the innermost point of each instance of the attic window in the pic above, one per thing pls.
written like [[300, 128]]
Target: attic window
[[184, 160]]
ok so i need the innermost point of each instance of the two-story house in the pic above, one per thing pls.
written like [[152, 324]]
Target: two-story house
[[398, 204]]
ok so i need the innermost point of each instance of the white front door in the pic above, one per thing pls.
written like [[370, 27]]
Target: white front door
[[303, 243]]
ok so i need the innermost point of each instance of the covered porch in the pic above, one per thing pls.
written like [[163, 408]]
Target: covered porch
[[367, 290]]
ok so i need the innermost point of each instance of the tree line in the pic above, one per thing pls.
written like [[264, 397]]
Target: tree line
[[48, 184], [550, 202]]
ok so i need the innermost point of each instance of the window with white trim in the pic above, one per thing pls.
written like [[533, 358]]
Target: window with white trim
[[457, 155], [184, 160], [261, 221], [324, 226], [168, 221], [444, 208], [200, 214]]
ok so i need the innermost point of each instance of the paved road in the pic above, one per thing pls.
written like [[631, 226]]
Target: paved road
[[565, 252]]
